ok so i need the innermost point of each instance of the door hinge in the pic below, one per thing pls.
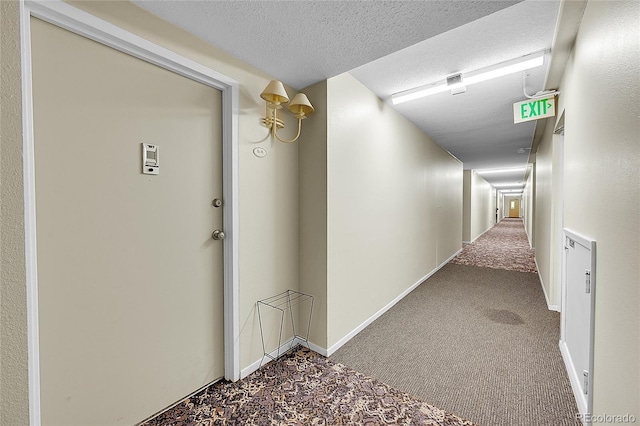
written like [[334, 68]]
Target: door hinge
[[585, 375], [587, 274]]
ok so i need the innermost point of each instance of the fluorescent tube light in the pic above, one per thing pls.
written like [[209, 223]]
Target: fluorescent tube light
[[508, 185], [497, 171], [505, 68], [420, 92]]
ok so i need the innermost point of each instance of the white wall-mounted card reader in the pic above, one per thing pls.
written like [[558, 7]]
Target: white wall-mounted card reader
[[150, 159]]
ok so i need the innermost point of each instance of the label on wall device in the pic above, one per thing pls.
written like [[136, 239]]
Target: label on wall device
[[534, 109]]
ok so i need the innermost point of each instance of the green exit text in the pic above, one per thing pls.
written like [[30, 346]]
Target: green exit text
[[534, 109]]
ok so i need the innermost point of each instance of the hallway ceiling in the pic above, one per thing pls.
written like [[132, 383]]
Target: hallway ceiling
[[391, 46]]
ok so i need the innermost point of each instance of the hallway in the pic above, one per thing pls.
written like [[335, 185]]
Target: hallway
[[476, 341], [505, 246], [364, 212]]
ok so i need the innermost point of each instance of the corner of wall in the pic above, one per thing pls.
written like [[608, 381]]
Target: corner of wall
[[312, 208], [480, 211], [14, 377], [466, 206]]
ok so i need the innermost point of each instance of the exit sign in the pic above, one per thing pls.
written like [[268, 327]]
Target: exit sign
[[534, 109]]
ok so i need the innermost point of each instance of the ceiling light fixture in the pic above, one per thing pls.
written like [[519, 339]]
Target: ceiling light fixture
[[504, 68], [274, 96], [498, 171], [507, 185]]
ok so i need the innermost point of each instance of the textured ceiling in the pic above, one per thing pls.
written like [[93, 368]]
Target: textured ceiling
[[391, 46], [477, 126], [303, 42]]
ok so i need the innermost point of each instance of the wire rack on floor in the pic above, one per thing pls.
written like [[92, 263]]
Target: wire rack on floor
[[283, 303]]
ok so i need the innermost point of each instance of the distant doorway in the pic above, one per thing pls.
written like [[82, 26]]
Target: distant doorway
[[514, 208]]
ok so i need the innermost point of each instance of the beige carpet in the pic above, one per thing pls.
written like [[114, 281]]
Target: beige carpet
[[479, 342]]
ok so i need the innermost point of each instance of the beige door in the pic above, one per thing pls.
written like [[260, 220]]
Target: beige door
[[130, 280], [514, 207]]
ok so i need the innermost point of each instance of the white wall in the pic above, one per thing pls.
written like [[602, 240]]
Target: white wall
[[394, 206], [478, 206], [527, 204], [600, 93]]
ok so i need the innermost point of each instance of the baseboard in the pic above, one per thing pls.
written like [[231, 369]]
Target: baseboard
[[527, 234], [328, 352], [544, 290], [483, 232], [282, 349], [358, 329], [318, 349]]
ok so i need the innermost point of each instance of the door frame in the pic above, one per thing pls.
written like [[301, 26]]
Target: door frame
[[84, 24]]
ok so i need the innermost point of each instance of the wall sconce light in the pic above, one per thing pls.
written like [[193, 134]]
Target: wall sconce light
[[275, 96]]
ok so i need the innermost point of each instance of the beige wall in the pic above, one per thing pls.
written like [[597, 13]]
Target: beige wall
[[312, 153], [527, 204], [14, 400], [478, 206], [268, 193], [393, 209], [600, 93], [268, 245], [494, 204], [133, 251], [500, 206], [466, 206], [482, 217], [545, 236]]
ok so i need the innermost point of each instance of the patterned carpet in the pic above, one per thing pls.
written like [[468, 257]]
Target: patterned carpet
[[505, 246], [304, 388]]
